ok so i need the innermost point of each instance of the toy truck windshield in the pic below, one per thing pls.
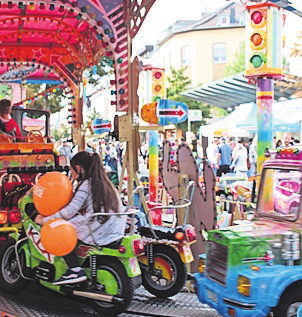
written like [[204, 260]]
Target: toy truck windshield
[[280, 193]]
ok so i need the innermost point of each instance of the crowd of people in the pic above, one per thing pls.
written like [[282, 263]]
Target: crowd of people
[[225, 154], [228, 155], [112, 152], [288, 140]]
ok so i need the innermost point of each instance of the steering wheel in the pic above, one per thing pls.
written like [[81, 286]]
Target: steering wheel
[[35, 136]]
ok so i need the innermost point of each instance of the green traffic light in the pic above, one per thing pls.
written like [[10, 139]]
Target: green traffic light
[[256, 61]]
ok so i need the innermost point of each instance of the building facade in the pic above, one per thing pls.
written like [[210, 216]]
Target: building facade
[[205, 47]]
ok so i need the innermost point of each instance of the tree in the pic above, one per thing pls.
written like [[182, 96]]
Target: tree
[[61, 133], [50, 101], [55, 100], [178, 83], [238, 64], [104, 66]]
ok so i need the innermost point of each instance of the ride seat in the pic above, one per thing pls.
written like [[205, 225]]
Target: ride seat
[[160, 231], [113, 245]]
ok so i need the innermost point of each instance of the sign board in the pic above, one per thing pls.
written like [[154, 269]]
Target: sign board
[[171, 112], [100, 126], [195, 115], [164, 112]]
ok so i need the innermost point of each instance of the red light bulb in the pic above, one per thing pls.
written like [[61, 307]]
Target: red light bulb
[[157, 75], [257, 17]]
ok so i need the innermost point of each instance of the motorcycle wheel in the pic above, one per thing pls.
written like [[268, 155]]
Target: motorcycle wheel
[[10, 277], [113, 280], [170, 273]]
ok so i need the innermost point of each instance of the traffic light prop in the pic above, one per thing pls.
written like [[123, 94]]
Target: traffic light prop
[[158, 84], [263, 41]]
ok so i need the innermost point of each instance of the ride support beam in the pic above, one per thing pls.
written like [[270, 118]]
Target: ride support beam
[[264, 100]]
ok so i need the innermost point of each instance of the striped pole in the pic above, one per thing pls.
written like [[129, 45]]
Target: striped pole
[[264, 99], [153, 165]]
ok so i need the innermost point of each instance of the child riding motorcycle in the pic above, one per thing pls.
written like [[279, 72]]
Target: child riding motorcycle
[[94, 192], [109, 271]]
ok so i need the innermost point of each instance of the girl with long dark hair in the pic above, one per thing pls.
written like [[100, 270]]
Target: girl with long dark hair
[[94, 193]]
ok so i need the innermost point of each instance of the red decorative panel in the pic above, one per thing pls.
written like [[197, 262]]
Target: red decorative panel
[[136, 12], [121, 59]]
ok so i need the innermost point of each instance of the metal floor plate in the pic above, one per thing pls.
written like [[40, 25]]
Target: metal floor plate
[[181, 305], [37, 301]]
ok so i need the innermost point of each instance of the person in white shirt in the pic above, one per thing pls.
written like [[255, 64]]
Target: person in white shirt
[[66, 151], [253, 157], [239, 159], [212, 154]]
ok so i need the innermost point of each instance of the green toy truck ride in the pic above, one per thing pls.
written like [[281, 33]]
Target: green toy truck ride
[[256, 268]]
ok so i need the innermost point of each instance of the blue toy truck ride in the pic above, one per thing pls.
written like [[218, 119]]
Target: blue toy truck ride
[[255, 268]]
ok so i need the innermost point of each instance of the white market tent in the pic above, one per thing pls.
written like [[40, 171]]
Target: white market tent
[[287, 117], [225, 126]]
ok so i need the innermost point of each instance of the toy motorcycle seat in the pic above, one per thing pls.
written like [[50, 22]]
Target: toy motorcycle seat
[[113, 245], [160, 232]]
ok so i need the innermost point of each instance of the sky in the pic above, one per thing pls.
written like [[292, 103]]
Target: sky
[[165, 12]]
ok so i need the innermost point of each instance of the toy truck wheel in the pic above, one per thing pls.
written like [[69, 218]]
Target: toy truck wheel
[[289, 304]]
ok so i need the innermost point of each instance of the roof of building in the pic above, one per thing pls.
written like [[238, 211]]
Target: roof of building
[[231, 12]]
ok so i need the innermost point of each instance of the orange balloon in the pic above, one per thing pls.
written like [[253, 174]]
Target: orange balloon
[[52, 192], [58, 237]]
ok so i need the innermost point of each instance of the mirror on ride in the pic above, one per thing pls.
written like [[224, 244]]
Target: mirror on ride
[[34, 122]]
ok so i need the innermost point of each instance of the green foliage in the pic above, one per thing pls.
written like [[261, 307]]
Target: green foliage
[[219, 112], [238, 64], [94, 114], [61, 133], [52, 102], [104, 66], [178, 83]]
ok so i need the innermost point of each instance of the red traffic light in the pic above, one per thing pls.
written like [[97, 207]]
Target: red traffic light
[[257, 17], [157, 75]]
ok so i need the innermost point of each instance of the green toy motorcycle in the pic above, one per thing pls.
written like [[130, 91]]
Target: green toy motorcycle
[[113, 271]]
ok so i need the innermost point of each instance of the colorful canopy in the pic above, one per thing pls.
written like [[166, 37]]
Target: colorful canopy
[[54, 41]]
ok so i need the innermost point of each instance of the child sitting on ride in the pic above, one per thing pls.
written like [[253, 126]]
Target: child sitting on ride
[[8, 125], [94, 193]]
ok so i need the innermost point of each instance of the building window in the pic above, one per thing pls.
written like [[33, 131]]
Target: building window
[[186, 56], [233, 16], [219, 53]]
